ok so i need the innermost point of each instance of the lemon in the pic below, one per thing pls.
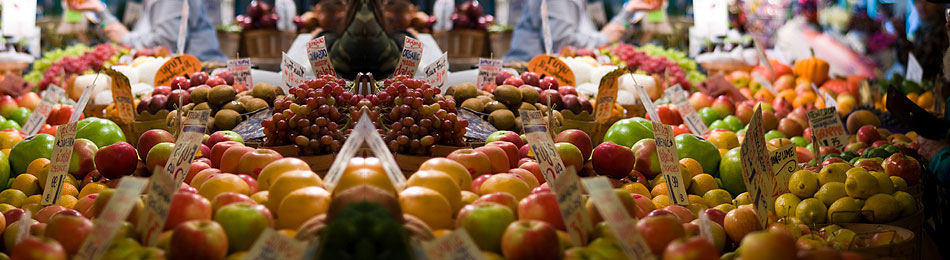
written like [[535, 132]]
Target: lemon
[[881, 208], [811, 211], [842, 235], [701, 183], [26, 183], [844, 210], [4, 207], [785, 205], [12, 197], [884, 183], [834, 172], [717, 197], [638, 188], [860, 184], [803, 183], [899, 183], [725, 207], [742, 199], [695, 199], [661, 201], [908, 203], [830, 192]]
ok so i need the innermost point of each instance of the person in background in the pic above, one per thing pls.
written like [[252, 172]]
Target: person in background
[[158, 26], [570, 26]]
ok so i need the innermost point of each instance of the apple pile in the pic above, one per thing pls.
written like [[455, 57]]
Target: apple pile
[[259, 15], [470, 15]]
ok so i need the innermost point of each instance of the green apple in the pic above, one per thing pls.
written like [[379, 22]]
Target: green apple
[[799, 141], [628, 131], [719, 124], [708, 115], [9, 124], [20, 115], [733, 122], [103, 132], [486, 223], [773, 134], [703, 151], [730, 172], [242, 223], [31, 148]]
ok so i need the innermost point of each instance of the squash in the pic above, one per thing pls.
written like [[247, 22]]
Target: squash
[[812, 68]]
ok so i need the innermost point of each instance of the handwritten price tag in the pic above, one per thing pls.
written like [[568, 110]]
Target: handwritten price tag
[[38, 118], [647, 102], [62, 152], [765, 82], [436, 74], [669, 163], [915, 72], [409, 59], [364, 132], [180, 65], [546, 65], [291, 73], [241, 69], [756, 170], [830, 101], [619, 222], [607, 95], [273, 245], [690, 117], [111, 218], [784, 162], [453, 246], [24, 224], [319, 57], [487, 69], [122, 95], [827, 127]]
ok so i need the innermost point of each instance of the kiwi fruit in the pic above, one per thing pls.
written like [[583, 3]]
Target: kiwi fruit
[[508, 95], [494, 105], [465, 91], [221, 94], [264, 91], [234, 105], [211, 125], [518, 124], [254, 104], [529, 94], [485, 99], [172, 118], [502, 119], [200, 94], [202, 106], [243, 99], [474, 104], [187, 108], [449, 91], [527, 106], [226, 119]]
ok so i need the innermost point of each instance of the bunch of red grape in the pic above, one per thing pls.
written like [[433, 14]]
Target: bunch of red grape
[[418, 116], [310, 117], [93, 59], [638, 60]]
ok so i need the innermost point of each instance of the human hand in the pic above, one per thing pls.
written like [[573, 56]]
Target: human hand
[[115, 31], [613, 31], [643, 5], [85, 5]]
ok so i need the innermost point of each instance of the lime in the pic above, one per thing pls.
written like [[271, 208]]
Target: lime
[[717, 197]]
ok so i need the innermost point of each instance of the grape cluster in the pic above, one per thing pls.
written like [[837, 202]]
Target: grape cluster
[[94, 59], [310, 117], [638, 60], [417, 116]]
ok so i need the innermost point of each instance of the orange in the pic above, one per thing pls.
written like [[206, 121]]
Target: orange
[[764, 94], [453, 168], [69, 189], [27, 183], [441, 182], [804, 98], [37, 166], [638, 188], [427, 205], [507, 183], [287, 183], [371, 176], [261, 197], [270, 172], [659, 189], [692, 167], [926, 100], [67, 201], [222, 183], [301, 205], [92, 188]]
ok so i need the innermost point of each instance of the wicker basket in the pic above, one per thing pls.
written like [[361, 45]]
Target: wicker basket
[[463, 43], [500, 43], [230, 44], [266, 43]]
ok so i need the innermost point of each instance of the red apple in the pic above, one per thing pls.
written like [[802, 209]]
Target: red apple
[[570, 155], [232, 157], [187, 188], [767, 245], [33, 247], [218, 149], [47, 212], [476, 162], [83, 159], [228, 198], [151, 138], [530, 239], [251, 182], [531, 78], [194, 169], [198, 239], [903, 166], [551, 83], [716, 215], [535, 169], [661, 230], [477, 182], [612, 160], [221, 136], [723, 105], [524, 150], [510, 150], [871, 165], [503, 198], [116, 160], [517, 82], [185, 207], [507, 136], [252, 162], [29, 100], [868, 134], [158, 155], [70, 231], [541, 206], [497, 157], [700, 100], [647, 160], [579, 139], [694, 248], [541, 188], [501, 77]]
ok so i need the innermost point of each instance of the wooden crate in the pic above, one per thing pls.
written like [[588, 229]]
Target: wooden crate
[[266, 43], [230, 44], [463, 43], [500, 43]]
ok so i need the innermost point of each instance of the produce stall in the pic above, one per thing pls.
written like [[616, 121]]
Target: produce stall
[[372, 130]]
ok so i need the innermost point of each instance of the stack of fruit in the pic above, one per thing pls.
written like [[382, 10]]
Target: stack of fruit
[[469, 15], [259, 15]]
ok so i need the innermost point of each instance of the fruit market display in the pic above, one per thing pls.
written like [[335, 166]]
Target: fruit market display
[[469, 15], [259, 15]]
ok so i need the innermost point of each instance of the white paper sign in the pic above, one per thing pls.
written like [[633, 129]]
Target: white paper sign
[[830, 101], [37, 119], [618, 220], [291, 73], [26, 220], [765, 83], [59, 165], [241, 69], [437, 73], [647, 102], [784, 162], [826, 126], [273, 245], [319, 57], [915, 73], [669, 163], [487, 69], [409, 58], [756, 170], [364, 132], [183, 27], [690, 117], [111, 218], [453, 246]]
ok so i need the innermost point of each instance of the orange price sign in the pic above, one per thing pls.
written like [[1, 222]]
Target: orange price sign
[[607, 95], [546, 65], [122, 95], [178, 66]]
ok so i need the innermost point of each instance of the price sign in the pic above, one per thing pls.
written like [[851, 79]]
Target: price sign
[[815, 88], [669, 163], [164, 183], [409, 59], [183, 27], [765, 82], [915, 72], [827, 127], [26, 220], [487, 69], [550, 66], [291, 73], [756, 171], [319, 57], [122, 95], [453, 246], [566, 183], [546, 29], [436, 74], [784, 162], [607, 95], [241, 69], [690, 117], [364, 132], [273, 245], [62, 152], [830, 101], [705, 227], [619, 222], [38, 118], [647, 103], [110, 220], [180, 65]]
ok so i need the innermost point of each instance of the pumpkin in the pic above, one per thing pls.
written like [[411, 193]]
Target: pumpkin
[[812, 68], [780, 69]]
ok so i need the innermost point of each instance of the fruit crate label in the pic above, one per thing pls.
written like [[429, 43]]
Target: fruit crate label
[[784, 162], [566, 183], [241, 69], [319, 57], [830, 101], [364, 132], [183, 28], [291, 73], [669, 163], [409, 59], [273, 245], [122, 95], [436, 73], [607, 95], [487, 69], [618, 220], [647, 103], [915, 73], [111, 218], [679, 98], [756, 172], [181, 65], [165, 181], [827, 127], [62, 152], [765, 82], [546, 28], [455, 245], [24, 224], [38, 118], [550, 66]]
